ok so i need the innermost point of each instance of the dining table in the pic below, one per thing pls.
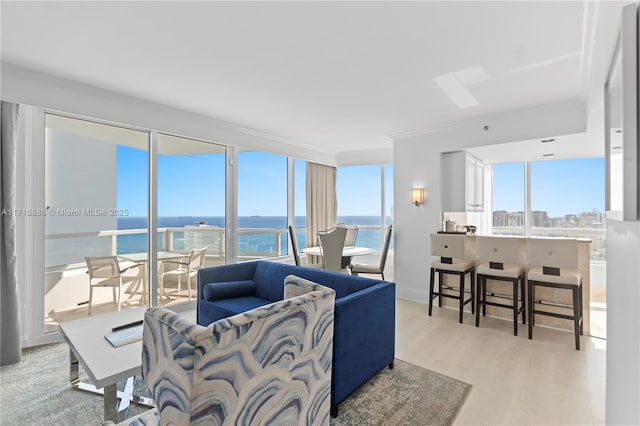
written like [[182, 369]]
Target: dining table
[[347, 252]]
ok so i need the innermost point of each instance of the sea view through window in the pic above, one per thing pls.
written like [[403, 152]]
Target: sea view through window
[[264, 243]]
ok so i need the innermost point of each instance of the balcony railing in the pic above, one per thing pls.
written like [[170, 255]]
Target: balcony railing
[[69, 249]]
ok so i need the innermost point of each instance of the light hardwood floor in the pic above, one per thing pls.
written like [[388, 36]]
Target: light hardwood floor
[[515, 380]]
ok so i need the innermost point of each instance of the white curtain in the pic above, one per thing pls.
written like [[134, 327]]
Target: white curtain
[[322, 203], [10, 351]]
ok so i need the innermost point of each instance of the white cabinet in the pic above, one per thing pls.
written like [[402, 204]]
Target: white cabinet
[[462, 183]]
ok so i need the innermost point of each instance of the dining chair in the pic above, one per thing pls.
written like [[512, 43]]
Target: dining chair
[[450, 250], [352, 233], [349, 240], [296, 253], [553, 263], [187, 267], [294, 245], [331, 244], [363, 268], [498, 259], [108, 272]]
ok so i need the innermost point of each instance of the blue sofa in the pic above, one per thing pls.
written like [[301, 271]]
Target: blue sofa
[[364, 324]]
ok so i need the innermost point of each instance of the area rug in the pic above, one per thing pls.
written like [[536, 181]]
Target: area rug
[[404, 395], [37, 392]]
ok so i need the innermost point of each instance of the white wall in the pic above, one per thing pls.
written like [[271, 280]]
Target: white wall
[[80, 175], [623, 323], [623, 252], [417, 164]]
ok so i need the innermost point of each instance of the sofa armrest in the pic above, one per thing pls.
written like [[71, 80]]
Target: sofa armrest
[[364, 341]]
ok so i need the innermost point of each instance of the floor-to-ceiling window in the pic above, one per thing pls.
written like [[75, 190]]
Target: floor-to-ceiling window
[[262, 205], [101, 180], [191, 213], [360, 202], [96, 181], [566, 200], [508, 199]]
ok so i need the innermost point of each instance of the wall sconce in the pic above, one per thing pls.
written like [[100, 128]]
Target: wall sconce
[[417, 196]]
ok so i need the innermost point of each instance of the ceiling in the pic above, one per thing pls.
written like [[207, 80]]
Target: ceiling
[[340, 76]]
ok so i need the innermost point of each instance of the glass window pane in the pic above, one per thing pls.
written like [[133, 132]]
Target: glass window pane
[[359, 200], [508, 198], [567, 199], [262, 205], [191, 211]]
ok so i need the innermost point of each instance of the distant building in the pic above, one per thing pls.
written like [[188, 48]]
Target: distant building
[[505, 219], [540, 219]]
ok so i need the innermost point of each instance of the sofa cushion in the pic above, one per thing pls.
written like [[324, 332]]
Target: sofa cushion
[[229, 290], [270, 279], [239, 305]]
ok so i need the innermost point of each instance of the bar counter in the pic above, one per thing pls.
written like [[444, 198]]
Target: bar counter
[[554, 296]]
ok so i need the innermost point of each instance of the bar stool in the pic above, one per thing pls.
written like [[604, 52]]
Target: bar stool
[[498, 257], [553, 264], [451, 249]]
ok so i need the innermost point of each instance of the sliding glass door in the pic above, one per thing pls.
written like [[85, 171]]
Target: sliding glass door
[[96, 180]]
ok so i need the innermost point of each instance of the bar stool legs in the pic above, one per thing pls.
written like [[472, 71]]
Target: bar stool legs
[[518, 287], [577, 316], [439, 294], [432, 276]]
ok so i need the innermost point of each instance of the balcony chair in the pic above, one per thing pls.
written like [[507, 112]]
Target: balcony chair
[[363, 268], [187, 266], [451, 252], [108, 272], [331, 244], [498, 260], [553, 264]]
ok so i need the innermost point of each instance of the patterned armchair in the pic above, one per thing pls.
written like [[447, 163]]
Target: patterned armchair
[[270, 365]]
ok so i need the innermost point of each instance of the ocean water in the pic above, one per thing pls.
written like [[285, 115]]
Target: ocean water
[[264, 244]]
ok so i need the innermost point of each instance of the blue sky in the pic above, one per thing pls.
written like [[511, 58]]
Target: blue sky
[[557, 186], [194, 185]]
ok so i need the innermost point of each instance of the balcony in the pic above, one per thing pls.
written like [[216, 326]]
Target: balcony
[[66, 292]]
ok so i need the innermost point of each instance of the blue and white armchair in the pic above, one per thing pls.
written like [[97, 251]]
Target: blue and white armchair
[[270, 365]]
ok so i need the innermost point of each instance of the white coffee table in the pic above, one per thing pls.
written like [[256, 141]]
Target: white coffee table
[[104, 364]]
